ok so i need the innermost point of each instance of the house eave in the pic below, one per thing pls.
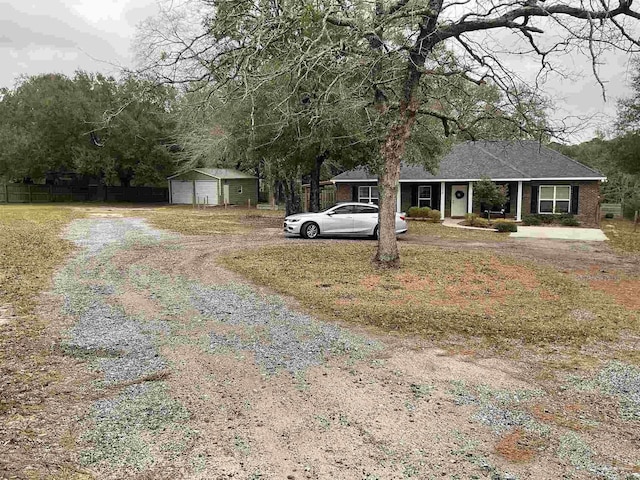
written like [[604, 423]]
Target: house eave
[[452, 180]]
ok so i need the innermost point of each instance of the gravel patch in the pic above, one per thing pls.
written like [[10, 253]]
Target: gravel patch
[[619, 380], [573, 449], [497, 408], [125, 348], [121, 421], [289, 340]]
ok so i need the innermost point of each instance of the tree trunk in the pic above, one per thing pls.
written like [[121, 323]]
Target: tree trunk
[[292, 199], [392, 152], [314, 184]]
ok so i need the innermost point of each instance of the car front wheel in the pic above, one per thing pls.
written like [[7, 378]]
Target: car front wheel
[[310, 230]]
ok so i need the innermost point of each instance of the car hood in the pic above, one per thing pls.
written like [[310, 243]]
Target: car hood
[[301, 215]]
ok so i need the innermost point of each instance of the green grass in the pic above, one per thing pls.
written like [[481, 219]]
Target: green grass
[[621, 235], [438, 293], [451, 233]]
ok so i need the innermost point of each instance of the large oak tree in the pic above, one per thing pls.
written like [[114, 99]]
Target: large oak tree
[[399, 47]]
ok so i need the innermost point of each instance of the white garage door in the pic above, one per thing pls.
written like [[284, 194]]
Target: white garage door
[[181, 192], [207, 192]]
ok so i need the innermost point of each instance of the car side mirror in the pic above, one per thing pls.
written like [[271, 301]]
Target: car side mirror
[[330, 213]]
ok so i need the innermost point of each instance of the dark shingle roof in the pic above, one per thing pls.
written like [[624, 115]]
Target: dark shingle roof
[[497, 160]]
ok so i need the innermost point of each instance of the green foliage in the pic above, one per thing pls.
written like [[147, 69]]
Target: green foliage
[[487, 192], [118, 131], [531, 220], [473, 220], [505, 226], [570, 222]]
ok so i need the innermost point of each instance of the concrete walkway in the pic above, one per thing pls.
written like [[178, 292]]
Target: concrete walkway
[[561, 233]]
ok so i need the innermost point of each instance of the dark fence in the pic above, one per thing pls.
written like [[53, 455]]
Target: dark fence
[[20, 193]]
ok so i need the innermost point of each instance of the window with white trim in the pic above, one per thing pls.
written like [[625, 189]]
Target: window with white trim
[[368, 195], [424, 196], [554, 199]]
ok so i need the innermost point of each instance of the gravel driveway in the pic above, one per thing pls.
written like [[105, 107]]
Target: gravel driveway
[[204, 376]]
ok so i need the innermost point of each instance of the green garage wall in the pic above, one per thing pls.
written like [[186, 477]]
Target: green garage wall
[[249, 191]]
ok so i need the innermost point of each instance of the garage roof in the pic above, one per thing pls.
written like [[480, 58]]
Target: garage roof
[[221, 173]]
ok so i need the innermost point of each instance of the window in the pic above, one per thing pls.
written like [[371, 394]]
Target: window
[[424, 196], [240, 189], [368, 194], [365, 209], [347, 209], [554, 199]]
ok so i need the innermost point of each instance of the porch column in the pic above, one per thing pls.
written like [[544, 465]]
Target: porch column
[[398, 199], [519, 203], [442, 197], [470, 198]]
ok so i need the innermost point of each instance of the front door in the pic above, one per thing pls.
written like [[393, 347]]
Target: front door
[[458, 200]]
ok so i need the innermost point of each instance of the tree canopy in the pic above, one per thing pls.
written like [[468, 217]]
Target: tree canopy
[[119, 131], [402, 55]]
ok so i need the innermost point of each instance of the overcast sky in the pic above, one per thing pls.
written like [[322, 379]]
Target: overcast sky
[[42, 36]]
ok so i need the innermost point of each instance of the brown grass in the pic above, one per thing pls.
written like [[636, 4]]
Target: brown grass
[[621, 235], [212, 221], [516, 447], [451, 233], [30, 250], [437, 293], [626, 292]]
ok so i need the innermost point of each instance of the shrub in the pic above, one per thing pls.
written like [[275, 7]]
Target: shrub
[[531, 220], [469, 219], [505, 226], [547, 219], [420, 212], [480, 222], [570, 222], [435, 216]]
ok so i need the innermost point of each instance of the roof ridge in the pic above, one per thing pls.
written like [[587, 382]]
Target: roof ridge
[[503, 161]]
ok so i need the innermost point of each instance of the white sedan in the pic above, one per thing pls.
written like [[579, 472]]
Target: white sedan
[[352, 219]]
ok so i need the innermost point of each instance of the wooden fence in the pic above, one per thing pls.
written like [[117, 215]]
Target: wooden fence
[[613, 208], [20, 193]]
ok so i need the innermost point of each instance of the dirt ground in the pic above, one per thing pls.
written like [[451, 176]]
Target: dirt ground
[[409, 409]]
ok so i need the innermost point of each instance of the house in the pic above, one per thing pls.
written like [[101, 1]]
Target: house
[[538, 180], [213, 186]]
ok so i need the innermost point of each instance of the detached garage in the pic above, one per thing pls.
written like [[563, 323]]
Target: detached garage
[[213, 186]]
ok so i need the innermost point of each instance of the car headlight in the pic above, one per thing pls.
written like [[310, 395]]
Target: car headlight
[[292, 220]]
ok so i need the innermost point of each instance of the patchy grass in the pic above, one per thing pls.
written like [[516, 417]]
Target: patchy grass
[[438, 293], [621, 235], [30, 250], [450, 233], [212, 221]]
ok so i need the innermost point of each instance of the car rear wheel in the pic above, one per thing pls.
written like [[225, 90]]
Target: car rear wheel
[[375, 233], [310, 230]]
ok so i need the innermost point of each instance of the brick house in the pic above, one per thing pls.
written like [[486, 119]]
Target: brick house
[[538, 180]]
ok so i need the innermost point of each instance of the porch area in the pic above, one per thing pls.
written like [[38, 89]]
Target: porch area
[[457, 198]]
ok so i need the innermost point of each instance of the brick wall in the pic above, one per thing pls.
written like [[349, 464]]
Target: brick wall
[[589, 204], [343, 192], [526, 198]]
